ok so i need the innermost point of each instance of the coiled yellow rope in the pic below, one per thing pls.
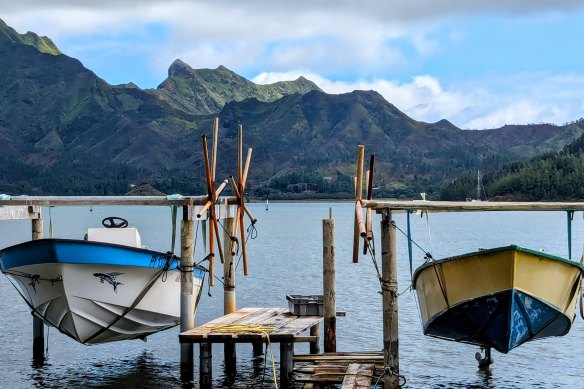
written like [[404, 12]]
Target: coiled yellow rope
[[265, 330]]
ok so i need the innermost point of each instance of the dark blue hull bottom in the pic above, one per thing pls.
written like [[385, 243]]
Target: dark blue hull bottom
[[502, 321]]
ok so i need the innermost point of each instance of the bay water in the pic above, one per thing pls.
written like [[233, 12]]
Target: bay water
[[286, 258]]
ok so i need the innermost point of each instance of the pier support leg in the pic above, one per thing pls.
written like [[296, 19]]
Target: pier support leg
[[329, 284], [38, 342], [187, 300], [206, 365], [315, 346], [389, 296], [229, 305], [38, 327], [258, 349], [230, 358], [286, 364]]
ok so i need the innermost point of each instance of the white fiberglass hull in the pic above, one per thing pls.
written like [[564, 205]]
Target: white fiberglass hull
[[135, 293]]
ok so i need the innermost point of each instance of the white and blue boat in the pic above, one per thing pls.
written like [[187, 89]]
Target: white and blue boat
[[104, 288]]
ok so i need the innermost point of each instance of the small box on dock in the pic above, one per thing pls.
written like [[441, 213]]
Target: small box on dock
[[312, 305]]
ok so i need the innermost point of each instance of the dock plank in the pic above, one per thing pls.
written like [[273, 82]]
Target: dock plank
[[339, 357], [358, 376], [204, 329], [277, 323], [329, 368]]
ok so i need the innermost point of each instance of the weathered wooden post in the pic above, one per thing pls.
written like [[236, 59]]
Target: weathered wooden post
[[229, 305], [206, 365], [187, 300], [286, 364], [329, 284], [314, 345], [389, 295], [38, 327]]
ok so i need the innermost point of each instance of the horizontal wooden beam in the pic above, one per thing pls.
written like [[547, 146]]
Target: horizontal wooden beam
[[108, 200], [20, 212], [469, 206]]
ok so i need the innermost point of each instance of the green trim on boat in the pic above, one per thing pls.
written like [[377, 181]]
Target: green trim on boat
[[494, 250]]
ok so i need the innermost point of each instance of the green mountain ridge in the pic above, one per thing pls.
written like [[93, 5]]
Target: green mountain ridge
[[66, 131], [41, 43], [206, 91]]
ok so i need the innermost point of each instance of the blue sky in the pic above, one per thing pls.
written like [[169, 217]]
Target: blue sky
[[476, 65]]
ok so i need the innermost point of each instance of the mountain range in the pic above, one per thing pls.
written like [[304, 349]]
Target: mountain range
[[65, 131]]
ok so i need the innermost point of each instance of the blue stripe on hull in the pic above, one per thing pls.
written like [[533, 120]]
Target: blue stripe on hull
[[502, 321], [83, 252]]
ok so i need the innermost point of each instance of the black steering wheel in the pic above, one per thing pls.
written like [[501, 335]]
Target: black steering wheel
[[114, 222]]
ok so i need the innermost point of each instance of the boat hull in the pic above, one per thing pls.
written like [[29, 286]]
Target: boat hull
[[98, 292], [499, 298]]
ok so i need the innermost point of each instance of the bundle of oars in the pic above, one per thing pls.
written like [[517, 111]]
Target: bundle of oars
[[362, 228], [213, 195]]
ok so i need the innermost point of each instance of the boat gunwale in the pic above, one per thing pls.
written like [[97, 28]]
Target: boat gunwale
[[513, 247], [96, 243]]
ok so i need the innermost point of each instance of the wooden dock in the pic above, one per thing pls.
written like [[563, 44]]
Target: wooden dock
[[255, 326]]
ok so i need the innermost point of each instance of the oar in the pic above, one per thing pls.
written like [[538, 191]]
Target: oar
[[242, 184], [246, 168], [368, 214], [218, 193], [214, 228], [252, 219], [215, 219], [210, 202], [215, 141], [358, 194]]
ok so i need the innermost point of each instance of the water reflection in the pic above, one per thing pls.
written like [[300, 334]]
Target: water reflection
[[143, 371]]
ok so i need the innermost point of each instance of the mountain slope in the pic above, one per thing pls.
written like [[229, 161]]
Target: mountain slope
[[206, 91], [66, 131], [318, 132], [550, 177]]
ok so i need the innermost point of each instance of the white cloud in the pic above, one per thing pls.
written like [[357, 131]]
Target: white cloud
[[367, 42], [535, 98]]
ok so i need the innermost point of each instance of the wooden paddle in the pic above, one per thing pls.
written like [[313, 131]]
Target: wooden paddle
[[368, 213], [358, 194], [239, 191]]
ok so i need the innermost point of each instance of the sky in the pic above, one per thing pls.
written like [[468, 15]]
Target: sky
[[478, 64]]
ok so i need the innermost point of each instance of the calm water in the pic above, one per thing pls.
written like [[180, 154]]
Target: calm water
[[286, 258]]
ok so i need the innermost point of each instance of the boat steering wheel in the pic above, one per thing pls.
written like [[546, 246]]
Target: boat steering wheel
[[114, 222]]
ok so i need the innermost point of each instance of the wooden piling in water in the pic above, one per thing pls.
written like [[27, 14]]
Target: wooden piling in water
[[206, 365], [187, 300], [229, 305], [314, 345], [286, 364], [389, 296], [329, 284], [38, 327]]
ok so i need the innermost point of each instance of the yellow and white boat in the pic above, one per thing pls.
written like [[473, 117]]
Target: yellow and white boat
[[499, 298]]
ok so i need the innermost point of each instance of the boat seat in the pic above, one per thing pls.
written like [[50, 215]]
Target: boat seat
[[125, 236]]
